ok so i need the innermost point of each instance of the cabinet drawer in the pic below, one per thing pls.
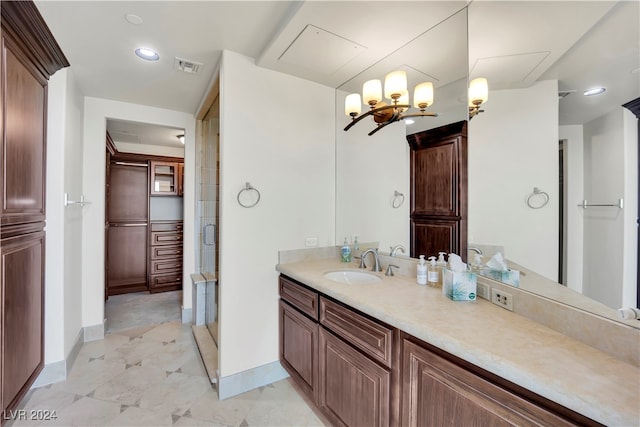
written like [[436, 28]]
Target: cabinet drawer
[[166, 266], [167, 226], [166, 252], [164, 280], [372, 338], [165, 238], [303, 299]]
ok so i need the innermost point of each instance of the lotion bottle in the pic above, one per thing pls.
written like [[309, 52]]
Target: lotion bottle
[[422, 271], [432, 272], [440, 265]]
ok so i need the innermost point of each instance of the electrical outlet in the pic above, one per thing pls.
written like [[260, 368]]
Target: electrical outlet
[[503, 299], [482, 291], [311, 242]]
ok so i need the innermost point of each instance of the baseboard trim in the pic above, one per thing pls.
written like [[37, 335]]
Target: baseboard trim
[[233, 385], [186, 315], [58, 371], [94, 332]]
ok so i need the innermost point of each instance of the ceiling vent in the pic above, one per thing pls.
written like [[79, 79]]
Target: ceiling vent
[[190, 67]]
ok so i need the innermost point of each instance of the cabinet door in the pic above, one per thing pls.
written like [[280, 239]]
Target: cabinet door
[[127, 192], [22, 260], [23, 143], [437, 392], [439, 190], [126, 258], [299, 348], [164, 179], [353, 390]]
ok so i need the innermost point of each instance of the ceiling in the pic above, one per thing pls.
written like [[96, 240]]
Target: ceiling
[[339, 43]]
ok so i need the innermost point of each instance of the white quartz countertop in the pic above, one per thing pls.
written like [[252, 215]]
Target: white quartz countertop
[[518, 349]]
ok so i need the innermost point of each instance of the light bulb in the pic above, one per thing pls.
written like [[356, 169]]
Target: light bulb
[[372, 92], [352, 105]]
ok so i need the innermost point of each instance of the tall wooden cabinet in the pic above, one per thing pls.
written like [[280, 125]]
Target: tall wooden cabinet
[[30, 55], [438, 221]]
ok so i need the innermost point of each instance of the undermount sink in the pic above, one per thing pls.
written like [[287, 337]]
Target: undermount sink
[[352, 277]]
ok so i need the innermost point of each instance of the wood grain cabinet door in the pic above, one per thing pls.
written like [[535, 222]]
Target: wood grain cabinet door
[[437, 392], [439, 190], [23, 145], [22, 260], [299, 348], [353, 390]]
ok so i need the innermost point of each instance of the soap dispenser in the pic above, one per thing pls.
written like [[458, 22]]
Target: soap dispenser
[[432, 272], [422, 271], [345, 252], [441, 265]]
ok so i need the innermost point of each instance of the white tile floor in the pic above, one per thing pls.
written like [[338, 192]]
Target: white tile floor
[[153, 376]]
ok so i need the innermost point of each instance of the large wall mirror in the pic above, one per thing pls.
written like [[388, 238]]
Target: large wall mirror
[[528, 51]]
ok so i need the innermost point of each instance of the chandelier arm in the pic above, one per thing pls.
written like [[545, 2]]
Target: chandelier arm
[[380, 126], [373, 111], [429, 114]]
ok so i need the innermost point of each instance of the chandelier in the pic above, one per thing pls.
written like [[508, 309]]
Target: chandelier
[[395, 90], [478, 95]]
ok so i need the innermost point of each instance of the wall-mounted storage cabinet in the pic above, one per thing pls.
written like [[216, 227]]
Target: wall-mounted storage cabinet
[[166, 179]]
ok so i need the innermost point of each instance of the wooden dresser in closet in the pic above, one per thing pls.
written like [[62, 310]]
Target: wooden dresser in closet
[[165, 256]]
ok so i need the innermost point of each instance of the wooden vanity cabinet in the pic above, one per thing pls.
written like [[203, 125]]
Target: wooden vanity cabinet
[[165, 256], [355, 364], [360, 372], [341, 359], [298, 345], [439, 390]]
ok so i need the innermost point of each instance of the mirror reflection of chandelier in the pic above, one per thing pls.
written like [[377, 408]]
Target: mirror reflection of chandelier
[[395, 90], [478, 95]]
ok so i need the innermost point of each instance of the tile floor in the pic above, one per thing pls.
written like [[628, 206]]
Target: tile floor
[[153, 376]]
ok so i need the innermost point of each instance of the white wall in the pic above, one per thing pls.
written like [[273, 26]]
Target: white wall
[[368, 171], [606, 143], [574, 193], [96, 112], [513, 147], [153, 150], [63, 286], [277, 132]]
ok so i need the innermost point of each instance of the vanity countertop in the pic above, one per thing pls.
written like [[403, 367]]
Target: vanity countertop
[[518, 349]]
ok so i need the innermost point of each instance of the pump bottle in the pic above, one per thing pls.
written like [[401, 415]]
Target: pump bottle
[[422, 271], [432, 272], [441, 265]]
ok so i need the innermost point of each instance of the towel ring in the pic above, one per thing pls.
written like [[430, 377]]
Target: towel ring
[[531, 200], [398, 199], [248, 187]]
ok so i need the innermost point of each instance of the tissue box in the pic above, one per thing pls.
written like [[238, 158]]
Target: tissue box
[[510, 277], [459, 285]]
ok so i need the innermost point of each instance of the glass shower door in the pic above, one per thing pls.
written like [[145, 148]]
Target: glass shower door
[[208, 172]]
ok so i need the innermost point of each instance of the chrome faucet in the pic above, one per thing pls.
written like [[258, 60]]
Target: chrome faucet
[[395, 249], [476, 250], [376, 259]]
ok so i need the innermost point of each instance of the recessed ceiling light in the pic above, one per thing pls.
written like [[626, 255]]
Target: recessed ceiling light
[[147, 54], [133, 19], [595, 91], [409, 121]]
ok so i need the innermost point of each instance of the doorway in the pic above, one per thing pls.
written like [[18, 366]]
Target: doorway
[[143, 224]]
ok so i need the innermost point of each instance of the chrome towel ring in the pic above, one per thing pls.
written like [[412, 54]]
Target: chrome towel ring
[[398, 199], [250, 189], [538, 199]]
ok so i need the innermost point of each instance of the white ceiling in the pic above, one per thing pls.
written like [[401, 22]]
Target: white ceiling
[[340, 43]]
